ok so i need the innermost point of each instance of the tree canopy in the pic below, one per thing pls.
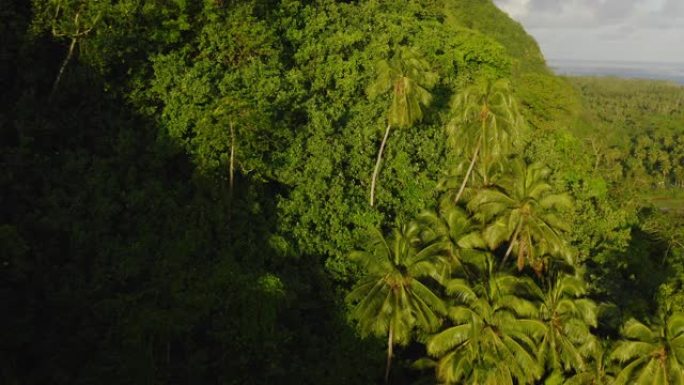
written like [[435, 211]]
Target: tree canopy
[[185, 199]]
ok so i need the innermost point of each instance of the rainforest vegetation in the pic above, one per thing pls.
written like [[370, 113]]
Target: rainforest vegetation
[[328, 192]]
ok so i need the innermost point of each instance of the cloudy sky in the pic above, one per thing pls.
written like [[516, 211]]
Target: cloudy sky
[[620, 30]]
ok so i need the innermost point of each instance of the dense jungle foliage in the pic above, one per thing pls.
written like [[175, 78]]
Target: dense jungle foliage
[[328, 192], [636, 130]]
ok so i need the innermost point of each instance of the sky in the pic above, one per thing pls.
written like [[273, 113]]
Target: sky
[[604, 30]]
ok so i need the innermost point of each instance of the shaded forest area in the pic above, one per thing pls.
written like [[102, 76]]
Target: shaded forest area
[[327, 192]]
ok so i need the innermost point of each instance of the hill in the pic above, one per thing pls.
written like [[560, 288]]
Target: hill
[[215, 192]]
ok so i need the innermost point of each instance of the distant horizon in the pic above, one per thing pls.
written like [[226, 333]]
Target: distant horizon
[[663, 71], [613, 61]]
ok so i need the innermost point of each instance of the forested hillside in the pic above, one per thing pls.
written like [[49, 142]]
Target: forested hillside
[[327, 192]]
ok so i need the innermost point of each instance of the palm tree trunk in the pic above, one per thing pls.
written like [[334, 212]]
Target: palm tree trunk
[[231, 171], [389, 352], [483, 117], [526, 248], [66, 61], [510, 246], [377, 165], [470, 170], [597, 155], [667, 380]]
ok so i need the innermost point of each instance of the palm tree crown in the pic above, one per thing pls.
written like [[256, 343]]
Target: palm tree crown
[[596, 373], [409, 78], [494, 333], [523, 211], [391, 300], [653, 356], [461, 239], [567, 340]]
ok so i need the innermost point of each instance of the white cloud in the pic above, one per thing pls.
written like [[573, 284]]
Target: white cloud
[[515, 8], [643, 30]]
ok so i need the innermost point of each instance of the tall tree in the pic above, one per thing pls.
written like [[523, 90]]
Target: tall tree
[[494, 333], [486, 123], [408, 77], [72, 20], [523, 211], [568, 316], [653, 356], [391, 300], [460, 236], [235, 118]]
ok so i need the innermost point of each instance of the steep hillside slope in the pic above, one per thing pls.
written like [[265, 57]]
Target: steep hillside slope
[[487, 18], [549, 101]]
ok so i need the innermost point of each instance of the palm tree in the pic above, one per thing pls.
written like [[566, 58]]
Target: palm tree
[[568, 316], [494, 333], [452, 227], [391, 300], [596, 373], [486, 122], [653, 356], [523, 211], [409, 78]]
